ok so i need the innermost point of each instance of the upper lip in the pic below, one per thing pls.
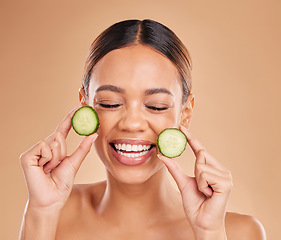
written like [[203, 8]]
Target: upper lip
[[133, 141]]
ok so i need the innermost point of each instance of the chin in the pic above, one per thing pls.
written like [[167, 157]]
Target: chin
[[133, 176]]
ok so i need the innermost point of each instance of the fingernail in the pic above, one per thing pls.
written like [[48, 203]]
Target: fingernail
[[183, 127], [93, 141], [159, 156]]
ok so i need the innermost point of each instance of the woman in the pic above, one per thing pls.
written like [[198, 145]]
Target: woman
[[137, 77]]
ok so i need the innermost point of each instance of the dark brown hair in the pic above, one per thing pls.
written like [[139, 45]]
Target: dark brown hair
[[146, 32]]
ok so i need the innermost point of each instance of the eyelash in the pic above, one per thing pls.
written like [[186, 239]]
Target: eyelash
[[156, 108], [118, 105], [109, 106]]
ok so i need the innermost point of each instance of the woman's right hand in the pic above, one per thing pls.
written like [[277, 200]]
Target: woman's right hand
[[49, 172]]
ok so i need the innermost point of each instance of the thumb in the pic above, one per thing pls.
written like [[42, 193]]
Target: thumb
[[177, 173], [81, 152]]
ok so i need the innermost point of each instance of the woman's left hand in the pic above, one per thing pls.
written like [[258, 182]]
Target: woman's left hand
[[204, 196]]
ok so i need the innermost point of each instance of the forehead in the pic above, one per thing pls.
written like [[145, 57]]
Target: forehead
[[135, 66]]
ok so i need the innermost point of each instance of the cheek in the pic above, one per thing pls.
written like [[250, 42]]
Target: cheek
[[106, 125], [107, 117], [106, 121], [169, 119]]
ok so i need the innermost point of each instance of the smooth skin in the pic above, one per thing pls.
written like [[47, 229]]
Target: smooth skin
[[135, 202]]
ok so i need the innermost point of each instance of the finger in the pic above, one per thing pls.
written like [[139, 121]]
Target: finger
[[50, 165], [63, 148], [39, 151], [194, 143], [201, 157], [204, 157], [203, 184], [199, 149], [199, 170], [81, 152], [201, 167], [45, 153], [65, 125], [217, 184], [175, 170]]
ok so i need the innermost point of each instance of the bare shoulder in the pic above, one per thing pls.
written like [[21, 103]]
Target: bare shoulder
[[82, 196], [239, 226]]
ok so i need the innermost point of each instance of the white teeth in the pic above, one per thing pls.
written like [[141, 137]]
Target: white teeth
[[133, 148], [132, 155], [128, 147]]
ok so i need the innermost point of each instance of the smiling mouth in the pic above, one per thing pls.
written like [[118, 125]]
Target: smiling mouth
[[130, 150]]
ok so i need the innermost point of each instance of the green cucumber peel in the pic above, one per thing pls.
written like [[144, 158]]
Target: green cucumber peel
[[171, 142], [85, 121]]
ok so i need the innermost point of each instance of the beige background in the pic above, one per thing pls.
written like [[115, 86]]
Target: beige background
[[235, 47]]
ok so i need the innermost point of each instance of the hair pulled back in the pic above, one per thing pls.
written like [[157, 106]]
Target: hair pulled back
[[148, 33]]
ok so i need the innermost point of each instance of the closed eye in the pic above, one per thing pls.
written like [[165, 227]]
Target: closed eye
[[157, 108], [109, 105]]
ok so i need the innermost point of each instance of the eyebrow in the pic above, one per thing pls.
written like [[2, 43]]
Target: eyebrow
[[152, 91], [110, 88]]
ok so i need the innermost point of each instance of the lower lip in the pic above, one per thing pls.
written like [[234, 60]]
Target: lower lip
[[132, 161]]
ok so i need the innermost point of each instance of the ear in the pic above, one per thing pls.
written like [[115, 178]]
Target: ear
[[82, 98], [187, 111]]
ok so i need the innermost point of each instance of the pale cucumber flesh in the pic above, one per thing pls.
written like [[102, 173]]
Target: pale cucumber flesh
[[85, 121], [171, 142]]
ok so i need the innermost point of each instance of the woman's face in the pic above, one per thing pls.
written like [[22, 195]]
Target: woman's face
[[137, 94]]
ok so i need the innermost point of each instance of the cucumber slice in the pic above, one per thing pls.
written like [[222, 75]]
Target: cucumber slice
[[171, 142], [85, 121]]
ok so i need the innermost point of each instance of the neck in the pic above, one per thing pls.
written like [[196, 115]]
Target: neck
[[154, 197]]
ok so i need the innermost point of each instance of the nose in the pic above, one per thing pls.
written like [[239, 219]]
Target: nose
[[133, 120]]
